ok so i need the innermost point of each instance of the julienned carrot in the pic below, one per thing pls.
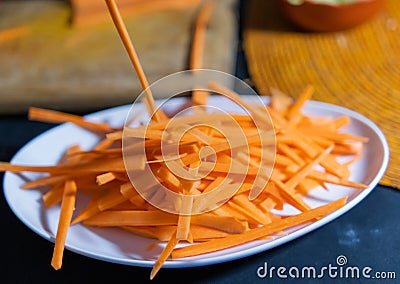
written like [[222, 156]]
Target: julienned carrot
[[48, 180], [67, 208], [132, 218], [200, 97], [95, 166], [164, 255], [60, 117], [304, 162], [164, 233], [257, 233]]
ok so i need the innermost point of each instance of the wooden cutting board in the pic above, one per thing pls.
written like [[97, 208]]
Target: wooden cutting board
[[48, 63]]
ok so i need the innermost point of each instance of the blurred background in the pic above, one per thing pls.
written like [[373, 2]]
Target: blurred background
[[67, 55]]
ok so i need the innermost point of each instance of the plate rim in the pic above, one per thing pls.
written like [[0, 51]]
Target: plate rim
[[263, 246]]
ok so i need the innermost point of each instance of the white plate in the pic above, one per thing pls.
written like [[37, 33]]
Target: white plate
[[118, 246]]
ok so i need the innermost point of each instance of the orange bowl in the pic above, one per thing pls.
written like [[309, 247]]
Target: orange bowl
[[319, 17]]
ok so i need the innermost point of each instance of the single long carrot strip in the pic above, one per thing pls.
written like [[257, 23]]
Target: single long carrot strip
[[254, 234], [196, 54], [197, 49], [132, 218], [164, 255], [52, 116], [67, 208], [328, 178], [124, 35], [48, 180], [94, 166]]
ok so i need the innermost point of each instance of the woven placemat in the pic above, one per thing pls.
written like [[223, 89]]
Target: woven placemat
[[357, 68]]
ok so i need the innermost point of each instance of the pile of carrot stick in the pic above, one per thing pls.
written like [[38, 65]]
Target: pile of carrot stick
[[307, 156], [307, 153]]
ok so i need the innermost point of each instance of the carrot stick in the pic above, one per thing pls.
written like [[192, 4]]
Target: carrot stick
[[52, 116], [132, 218], [95, 166], [67, 208], [48, 180], [123, 33], [105, 178], [254, 234], [164, 255], [183, 227], [196, 55]]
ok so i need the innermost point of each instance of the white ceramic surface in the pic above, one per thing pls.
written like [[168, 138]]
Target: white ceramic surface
[[118, 246]]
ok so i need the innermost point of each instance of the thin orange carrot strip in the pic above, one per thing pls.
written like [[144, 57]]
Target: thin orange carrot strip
[[254, 234], [132, 218], [94, 166], [105, 178], [164, 255], [52, 116], [155, 114], [67, 208], [48, 180]]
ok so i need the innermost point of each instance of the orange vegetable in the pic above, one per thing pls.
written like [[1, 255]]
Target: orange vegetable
[[67, 208], [257, 233]]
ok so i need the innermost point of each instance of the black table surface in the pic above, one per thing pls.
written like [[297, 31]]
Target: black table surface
[[367, 235]]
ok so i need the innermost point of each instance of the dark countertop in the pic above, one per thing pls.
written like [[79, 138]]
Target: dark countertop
[[367, 235]]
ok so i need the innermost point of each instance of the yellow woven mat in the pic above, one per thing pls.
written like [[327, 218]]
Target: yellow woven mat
[[357, 68]]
